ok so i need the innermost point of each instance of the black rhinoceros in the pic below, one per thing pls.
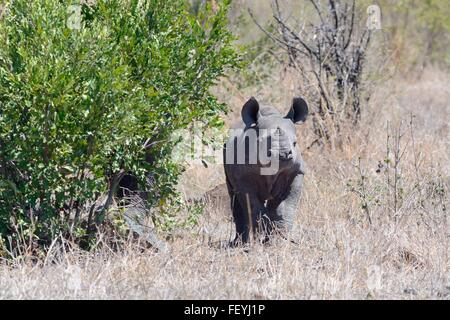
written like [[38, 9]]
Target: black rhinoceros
[[264, 169]]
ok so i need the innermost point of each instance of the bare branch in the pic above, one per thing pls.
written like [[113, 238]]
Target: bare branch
[[296, 37], [352, 26], [318, 11], [271, 36]]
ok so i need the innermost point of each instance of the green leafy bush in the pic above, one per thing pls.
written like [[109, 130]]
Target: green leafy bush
[[80, 107]]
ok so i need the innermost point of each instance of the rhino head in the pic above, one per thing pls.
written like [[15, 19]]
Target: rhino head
[[275, 133]]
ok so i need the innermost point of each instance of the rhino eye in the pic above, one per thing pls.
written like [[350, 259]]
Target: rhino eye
[[295, 143]]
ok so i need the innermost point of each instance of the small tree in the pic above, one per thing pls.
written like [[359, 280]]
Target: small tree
[[333, 49], [82, 104]]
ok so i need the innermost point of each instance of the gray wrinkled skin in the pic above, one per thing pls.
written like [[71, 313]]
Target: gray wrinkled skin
[[265, 203]]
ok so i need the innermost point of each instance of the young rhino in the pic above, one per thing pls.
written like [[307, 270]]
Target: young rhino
[[264, 169]]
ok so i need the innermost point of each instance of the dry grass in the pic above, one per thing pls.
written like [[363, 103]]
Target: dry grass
[[402, 254]]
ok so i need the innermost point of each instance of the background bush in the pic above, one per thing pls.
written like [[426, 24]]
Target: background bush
[[79, 108]]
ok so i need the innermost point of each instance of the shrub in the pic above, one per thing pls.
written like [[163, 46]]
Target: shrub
[[81, 107], [329, 53]]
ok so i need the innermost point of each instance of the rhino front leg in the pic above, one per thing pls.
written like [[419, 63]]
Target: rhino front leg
[[248, 212], [239, 217], [282, 211], [240, 221]]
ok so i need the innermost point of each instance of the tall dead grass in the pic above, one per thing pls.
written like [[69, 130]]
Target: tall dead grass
[[401, 252]]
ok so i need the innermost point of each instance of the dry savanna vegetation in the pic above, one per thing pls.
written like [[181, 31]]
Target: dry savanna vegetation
[[373, 220]]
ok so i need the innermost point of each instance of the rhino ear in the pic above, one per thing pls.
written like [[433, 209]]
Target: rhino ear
[[298, 111], [250, 111]]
